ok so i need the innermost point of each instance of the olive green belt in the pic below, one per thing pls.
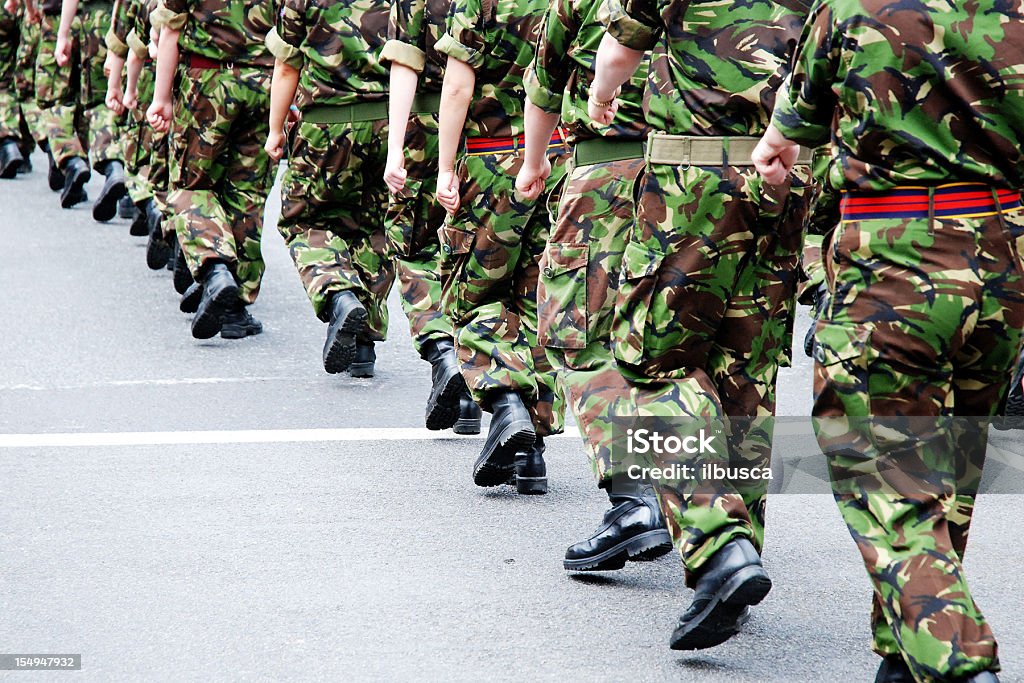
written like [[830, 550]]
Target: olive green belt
[[426, 103], [695, 150], [345, 113], [606, 150]]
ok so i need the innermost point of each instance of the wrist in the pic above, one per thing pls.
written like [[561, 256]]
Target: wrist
[[600, 99]]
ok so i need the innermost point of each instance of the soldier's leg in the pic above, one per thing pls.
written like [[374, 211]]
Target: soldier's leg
[[57, 94], [334, 236], [12, 134], [955, 359]]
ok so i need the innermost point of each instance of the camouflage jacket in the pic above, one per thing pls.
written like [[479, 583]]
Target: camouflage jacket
[[336, 45], [413, 32], [559, 78], [117, 36], [222, 30], [139, 28], [919, 94], [724, 62], [495, 38], [10, 37]]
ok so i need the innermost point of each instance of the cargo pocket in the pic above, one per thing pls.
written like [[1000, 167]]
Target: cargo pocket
[[456, 247], [842, 356], [402, 217], [562, 314], [639, 276]]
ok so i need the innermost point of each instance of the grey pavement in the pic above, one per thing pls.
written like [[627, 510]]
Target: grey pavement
[[343, 560]]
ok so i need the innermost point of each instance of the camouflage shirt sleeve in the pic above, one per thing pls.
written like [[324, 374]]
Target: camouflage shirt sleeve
[[286, 38], [465, 39], [405, 34], [635, 24], [806, 102], [548, 77], [117, 37], [171, 13]]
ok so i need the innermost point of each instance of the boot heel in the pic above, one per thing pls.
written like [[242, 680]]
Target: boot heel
[[467, 426], [532, 486]]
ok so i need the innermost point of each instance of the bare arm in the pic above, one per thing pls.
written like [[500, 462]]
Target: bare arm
[[160, 112], [456, 96], [404, 82], [131, 88], [68, 10], [282, 93], [615, 64], [536, 166]]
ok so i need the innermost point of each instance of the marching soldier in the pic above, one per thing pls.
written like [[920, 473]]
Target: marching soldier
[[220, 174], [704, 306], [927, 295], [333, 202], [414, 215], [579, 271], [15, 140]]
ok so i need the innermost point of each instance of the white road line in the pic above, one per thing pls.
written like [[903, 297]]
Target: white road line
[[104, 439], [178, 381]]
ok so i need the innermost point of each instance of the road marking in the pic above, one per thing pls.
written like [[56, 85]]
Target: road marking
[[103, 439], [177, 381]]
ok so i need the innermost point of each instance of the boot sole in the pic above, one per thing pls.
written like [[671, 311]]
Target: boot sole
[[209, 321], [74, 193], [649, 545], [239, 332], [361, 369], [106, 205], [182, 276], [467, 426], [157, 253], [11, 170], [342, 350], [721, 619], [139, 227], [531, 486], [493, 468], [443, 412]]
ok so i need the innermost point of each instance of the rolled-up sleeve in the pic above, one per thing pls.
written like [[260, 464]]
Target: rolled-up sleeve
[[286, 38], [634, 23], [170, 13], [464, 39]]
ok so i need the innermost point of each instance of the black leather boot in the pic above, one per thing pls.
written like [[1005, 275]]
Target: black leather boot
[[10, 158], [26, 167], [348, 320], [531, 471], [469, 416], [447, 384], [158, 251], [76, 175], [511, 431], [114, 188], [631, 529], [126, 208], [55, 177], [894, 669], [820, 302], [220, 294], [729, 582], [182, 275], [238, 324], [191, 298], [365, 360]]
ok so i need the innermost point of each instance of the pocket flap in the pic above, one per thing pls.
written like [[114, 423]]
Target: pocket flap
[[455, 241], [640, 261], [563, 258], [837, 343]]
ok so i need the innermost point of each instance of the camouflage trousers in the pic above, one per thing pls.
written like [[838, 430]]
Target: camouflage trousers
[[73, 97], [219, 172], [926, 319], [579, 278], [702, 322], [412, 222], [491, 249], [145, 149], [24, 79], [332, 216]]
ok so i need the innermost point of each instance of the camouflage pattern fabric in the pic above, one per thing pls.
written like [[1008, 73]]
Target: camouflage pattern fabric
[[219, 172], [491, 249], [25, 81], [576, 294], [336, 46], [332, 216], [703, 316], [414, 28], [412, 221], [926, 315], [559, 78], [223, 30], [498, 45], [10, 112]]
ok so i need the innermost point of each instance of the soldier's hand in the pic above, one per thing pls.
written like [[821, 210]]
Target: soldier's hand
[[159, 115], [108, 63], [448, 191], [395, 173], [131, 99], [62, 52], [11, 6], [603, 112], [275, 145], [774, 156], [115, 101], [531, 180]]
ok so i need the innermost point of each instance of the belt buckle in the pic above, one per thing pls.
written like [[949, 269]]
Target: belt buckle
[[229, 65]]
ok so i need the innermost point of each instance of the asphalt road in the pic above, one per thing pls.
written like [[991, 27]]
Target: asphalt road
[[360, 556]]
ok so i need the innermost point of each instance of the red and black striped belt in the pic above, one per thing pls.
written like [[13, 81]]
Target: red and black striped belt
[[479, 146], [200, 62], [956, 200]]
